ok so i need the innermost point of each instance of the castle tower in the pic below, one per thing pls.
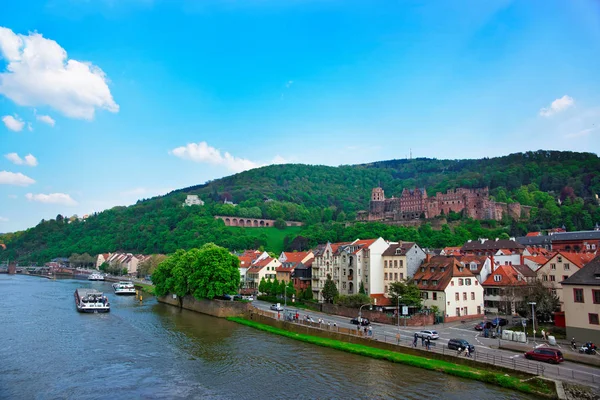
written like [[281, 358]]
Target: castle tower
[[377, 194]]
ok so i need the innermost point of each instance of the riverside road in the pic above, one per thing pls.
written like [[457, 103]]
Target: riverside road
[[484, 346], [150, 350]]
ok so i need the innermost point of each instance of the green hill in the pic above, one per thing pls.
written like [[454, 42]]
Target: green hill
[[318, 195]]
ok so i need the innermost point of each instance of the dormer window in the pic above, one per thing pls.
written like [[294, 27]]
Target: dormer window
[[425, 282], [432, 269], [422, 269], [497, 278]]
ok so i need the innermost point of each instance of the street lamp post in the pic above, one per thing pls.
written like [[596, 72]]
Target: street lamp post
[[360, 312], [533, 319]]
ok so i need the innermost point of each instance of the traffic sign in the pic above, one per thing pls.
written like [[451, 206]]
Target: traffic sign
[[524, 322], [404, 310]]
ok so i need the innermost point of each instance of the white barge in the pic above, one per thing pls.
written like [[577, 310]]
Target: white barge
[[91, 301], [96, 277], [124, 288]]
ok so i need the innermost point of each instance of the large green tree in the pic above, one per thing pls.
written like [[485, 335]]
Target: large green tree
[[408, 292]]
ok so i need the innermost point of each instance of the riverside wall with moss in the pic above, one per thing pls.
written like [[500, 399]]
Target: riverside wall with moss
[[216, 308]]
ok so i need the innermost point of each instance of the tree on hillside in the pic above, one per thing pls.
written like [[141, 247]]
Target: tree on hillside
[[409, 294], [280, 223], [329, 291]]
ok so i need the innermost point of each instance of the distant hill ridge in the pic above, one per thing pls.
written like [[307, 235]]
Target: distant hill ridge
[[316, 194]]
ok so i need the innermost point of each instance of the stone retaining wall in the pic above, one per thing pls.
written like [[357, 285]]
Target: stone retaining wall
[[377, 316], [216, 308]]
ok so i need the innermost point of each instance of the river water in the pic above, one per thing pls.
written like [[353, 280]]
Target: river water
[[154, 351]]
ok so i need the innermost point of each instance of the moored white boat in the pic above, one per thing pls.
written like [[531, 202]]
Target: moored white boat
[[96, 277], [124, 287], [91, 301]]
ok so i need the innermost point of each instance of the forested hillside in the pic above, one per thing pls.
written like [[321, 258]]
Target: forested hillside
[[561, 186]]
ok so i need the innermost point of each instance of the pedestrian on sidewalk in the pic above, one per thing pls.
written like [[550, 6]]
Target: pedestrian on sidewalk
[[415, 341], [427, 343], [422, 341], [543, 334]]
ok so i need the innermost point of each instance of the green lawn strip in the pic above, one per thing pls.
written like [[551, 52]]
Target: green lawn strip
[[462, 371], [146, 288]]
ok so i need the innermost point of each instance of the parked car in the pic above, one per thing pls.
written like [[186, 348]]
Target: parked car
[[276, 307], [546, 354], [454, 344], [362, 321], [428, 334], [499, 321], [483, 325], [248, 297]]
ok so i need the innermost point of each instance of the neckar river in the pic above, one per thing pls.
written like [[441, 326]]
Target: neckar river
[[153, 351]]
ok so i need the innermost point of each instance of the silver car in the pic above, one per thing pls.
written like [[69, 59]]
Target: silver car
[[432, 335]]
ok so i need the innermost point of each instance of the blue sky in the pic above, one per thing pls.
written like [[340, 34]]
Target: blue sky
[[105, 102]]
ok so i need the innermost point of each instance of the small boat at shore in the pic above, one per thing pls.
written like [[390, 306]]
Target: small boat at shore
[[124, 288], [91, 301], [96, 277]]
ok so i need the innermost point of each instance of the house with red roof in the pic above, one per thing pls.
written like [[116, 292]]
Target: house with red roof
[[261, 268], [446, 283], [559, 268], [503, 289], [349, 264], [480, 266]]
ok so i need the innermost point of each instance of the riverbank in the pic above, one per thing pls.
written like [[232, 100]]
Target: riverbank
[[519, 382]]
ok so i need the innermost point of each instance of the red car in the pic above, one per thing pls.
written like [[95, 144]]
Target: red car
[[546, 354], [483, 325]]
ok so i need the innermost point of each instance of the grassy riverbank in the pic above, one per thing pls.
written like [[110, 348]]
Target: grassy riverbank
[[146, 288], [533, 386]]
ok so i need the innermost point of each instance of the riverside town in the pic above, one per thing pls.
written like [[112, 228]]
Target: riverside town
[[307, 200]]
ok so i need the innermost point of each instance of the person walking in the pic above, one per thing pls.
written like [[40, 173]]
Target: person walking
[[427, 343], [543, 334], [422, 341], [370, 331], [468, 352], [415, 340]]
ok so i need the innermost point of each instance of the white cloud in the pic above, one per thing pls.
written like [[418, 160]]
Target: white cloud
[[12, 123], [581, 133], [39, 73], [46, 119], [52, 198], [557, 106], [29, 159], [29, 127], [203, 153], [17, 179]]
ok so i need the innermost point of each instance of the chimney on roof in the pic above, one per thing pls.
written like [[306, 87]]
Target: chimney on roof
[[497, 239], [482, 240], [512, 238]]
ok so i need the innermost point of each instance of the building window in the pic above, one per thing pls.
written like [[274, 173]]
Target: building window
[[559, 260], [578, 295], [386, 288], [451, 283], [565, 277], [567, 266], [545, 278], [385, 277], [460, 281], [395, 263], [593, 318], [468, 282], [395, 276], [456, 297], [497, 278], [552, 278], [596, 296], [434, 295], [401, 263], [385, 264], [457, 312], [472, 295], [401, 275], [465, 296], [552, 266]]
